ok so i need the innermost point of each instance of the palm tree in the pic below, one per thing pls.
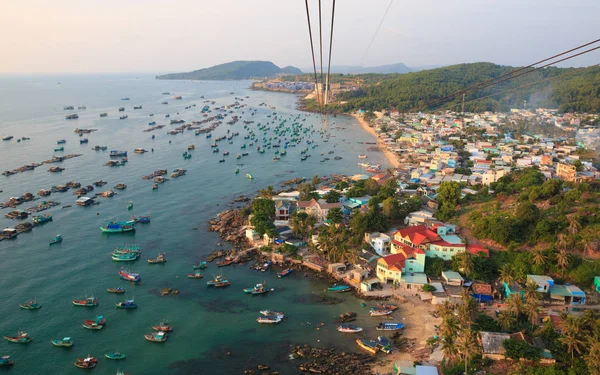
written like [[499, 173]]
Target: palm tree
[[506, 320], [562, 259], [466, 309], [449, 347], [267, 193], [539, 257], [562, 241], [574, 224], [467, 346], [507, 274], [532, 311], [571, 337], [445, 309], [515, 304], [530, 291], [593, 357], [465, 262]]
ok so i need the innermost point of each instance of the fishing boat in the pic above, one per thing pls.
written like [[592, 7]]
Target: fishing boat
[[385, 306], [272, 313], [200, 266], [117, 290], [268, 319], [187, 155], [384, 344], [258, 289], [5, 361], [30, 305], [87, 362], [368, 345], [236, 171], [61, 141], [59, 149], [389, 326], [87, 302], [163, 327], [380, 312], [347, 317], [284, 273], [41, 219], [249, 176], [58, 238], [20, 338], [65, 342], [219, 282], [118, 227], [362, 156], [142, 218], [94, 324], [127, 304], [129, 276], [125, 257], [225, 263], [161, 258], [339, 288], [130, 206], [103, 114], [349, 328], [154, 186], [115, 355], [120, 186], [117, 153], [191, 147], [265, 267], [196, 275], [156, 336]]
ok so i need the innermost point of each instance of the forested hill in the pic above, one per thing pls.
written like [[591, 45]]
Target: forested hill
[[235, 70], [577, 92]]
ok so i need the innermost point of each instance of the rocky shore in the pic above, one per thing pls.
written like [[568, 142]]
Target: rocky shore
[[331, 361], [231, 226]]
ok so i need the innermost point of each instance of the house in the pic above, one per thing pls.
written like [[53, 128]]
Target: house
[[380, 242], [512, 288], [543, 282], [319, 208], [389, 268], [252, 235], [482, 292], [566, 172], [415, 257], [413, 280], [492, 345], [84, 201], [284, 208], [452, 278], [567, 294], [418, 217]]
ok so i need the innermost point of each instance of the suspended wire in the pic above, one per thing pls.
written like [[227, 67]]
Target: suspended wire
[[312, 50], [330, 48], [321, 44], [534, 83], [376, 31], [511, 73]]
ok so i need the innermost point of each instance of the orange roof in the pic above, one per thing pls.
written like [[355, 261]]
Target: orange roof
[[408, 251], [476, 249], [419, 234], [394, 261]]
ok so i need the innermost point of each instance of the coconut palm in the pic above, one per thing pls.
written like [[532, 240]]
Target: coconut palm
[[449, 347], [507, 274], [515, 304], [465, 262], [562, 241], [530, 291], [268, 192], [531, 310], [562, 259], [506, 320], [467, 346], [574, 224], [572, 337], [592, 358], [538, 257]]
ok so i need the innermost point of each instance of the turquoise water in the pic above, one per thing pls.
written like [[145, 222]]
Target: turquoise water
[[208, 322]]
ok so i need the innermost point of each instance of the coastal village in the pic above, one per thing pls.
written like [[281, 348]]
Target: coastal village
[[426, 264]]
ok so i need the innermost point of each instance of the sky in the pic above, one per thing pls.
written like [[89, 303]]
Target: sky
[[157, 36]]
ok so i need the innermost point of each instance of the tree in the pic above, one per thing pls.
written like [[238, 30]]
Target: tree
[[302, 223], [465, 262], [341, 185], [388, 189], [517, 349], [332, 196], [538, 257], [307, 192], [506, 320], [515, 304], [391, 208], [507, 274], [315, 182], [592, 358], [578, 165], [448, 196], [467, 346], [335, 215], [267, 193], [371, 187], [563, 259], [574, 224], [428, 288], [571, 338]]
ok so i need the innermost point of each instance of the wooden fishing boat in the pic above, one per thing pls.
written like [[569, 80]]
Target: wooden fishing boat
[[163, 327], [389, 326], [118, 227], [349, 328], [339, 288], [161, 258], [225, 263], [30, 305], [20, 338], [284, 273], [374, 312], [130, 206], [5, 361], [368, 345], [58, 238], [141, 219], [265, 267], [65, 342], [200, 266], [347, 317], [156, 336], [117, 290], [274, 313], [87, 362], [385, 306], [115, 355], [268, 319], [196, 275], [125, 257], [87, 302], [384, 344], [127, 304], [154, 186], [129, 276], [95, 324]]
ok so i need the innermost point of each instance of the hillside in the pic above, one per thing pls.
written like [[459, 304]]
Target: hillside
[[234, 70], [419, 90], [381, 69]]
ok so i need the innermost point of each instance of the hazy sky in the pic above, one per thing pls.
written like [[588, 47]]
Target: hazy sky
[[182, 35]]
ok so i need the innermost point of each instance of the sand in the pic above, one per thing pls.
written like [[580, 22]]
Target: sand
[[390, 156]]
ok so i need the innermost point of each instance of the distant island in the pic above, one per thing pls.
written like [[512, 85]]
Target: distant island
[[399, 68], [235, 70]]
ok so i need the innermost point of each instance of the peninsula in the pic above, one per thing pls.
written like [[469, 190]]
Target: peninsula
[[235, 70]]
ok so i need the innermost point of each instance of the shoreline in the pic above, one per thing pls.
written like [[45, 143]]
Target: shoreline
[[390, 156]]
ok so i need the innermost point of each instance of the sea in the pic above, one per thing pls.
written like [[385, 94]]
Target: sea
[[215, 330]]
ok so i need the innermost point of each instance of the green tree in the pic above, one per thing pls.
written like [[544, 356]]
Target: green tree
[[448, 196], [371, 187], [332, 196], [506, 320], [267, 193], [335, 215], [391, 208], [517, 349]]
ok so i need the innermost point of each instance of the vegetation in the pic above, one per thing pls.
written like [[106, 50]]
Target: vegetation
[[263, 213], [422, 90], [234, 70]]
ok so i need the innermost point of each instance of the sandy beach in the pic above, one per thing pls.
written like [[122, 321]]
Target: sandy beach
[[392, 157]]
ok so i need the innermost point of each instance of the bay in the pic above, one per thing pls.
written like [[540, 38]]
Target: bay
[[208, 323]]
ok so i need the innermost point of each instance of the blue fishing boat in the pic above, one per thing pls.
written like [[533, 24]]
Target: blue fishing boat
[[284, 273], [5, 361], [339, 288], [384, 344], [389, 326], [128, 304], [65, 342], [142, 219], [41, 219], [115, 355], [118, 227], [58, 238]]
